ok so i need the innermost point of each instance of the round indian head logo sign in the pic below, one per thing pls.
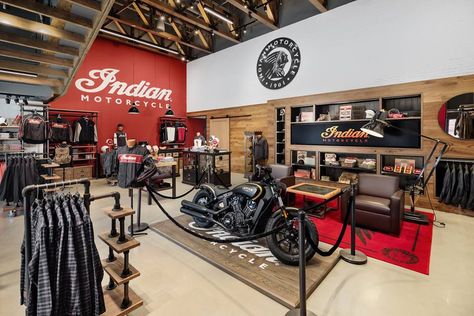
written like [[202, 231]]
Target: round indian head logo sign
[[278, 63]]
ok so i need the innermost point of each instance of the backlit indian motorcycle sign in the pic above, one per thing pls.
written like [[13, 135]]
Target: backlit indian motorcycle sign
[[278, 63], [349, 134], [118, 92]]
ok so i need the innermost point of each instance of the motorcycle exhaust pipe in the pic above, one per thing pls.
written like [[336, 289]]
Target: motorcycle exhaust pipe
[[201, 216], [199, 208]]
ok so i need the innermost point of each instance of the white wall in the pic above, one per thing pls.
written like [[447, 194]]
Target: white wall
[[363, 44]]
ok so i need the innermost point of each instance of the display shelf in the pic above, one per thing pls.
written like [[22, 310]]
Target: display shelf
[[334, 172], [302, 112], [350, 168], [406, 180], [119, 248], [114, 270], [118, 214], [414, 176], [280, 136], [113, 300]]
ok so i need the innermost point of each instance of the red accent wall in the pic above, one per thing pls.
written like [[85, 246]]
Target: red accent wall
[[134, 65], [195, 125]]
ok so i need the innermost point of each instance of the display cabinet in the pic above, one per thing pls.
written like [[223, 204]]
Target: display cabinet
[[214, 167], [405, 167]]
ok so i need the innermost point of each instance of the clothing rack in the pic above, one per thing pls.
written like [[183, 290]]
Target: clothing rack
[[457, 160], [27, 212]]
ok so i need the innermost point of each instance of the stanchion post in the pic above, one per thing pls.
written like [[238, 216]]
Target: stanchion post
[[352, 255], [302, 311], [139, 226]]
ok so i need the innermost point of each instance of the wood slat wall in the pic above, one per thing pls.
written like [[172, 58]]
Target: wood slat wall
[[261, 119], [434, 93]]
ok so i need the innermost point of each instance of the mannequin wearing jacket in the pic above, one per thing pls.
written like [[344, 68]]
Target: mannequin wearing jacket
[[260, 149]]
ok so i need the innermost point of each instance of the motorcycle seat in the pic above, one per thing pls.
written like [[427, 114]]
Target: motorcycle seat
[[217, 189]]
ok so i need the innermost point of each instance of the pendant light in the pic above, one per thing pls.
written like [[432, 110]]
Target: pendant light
[[133, 109]]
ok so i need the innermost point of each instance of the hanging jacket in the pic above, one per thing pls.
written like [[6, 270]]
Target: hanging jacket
[[450, 194], [60, 131], [33, 129], [459, 188], [85, 131], [470, 202], [446, 184], [467, 187], [464, 125]]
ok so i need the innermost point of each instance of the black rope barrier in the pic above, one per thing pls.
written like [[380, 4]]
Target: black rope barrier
[[338, 241], [222, 241], [182, 195]]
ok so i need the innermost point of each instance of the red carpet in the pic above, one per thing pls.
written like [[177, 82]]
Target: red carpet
[[402, 251]]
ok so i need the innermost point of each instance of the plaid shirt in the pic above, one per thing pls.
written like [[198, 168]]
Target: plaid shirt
[[65, 269]]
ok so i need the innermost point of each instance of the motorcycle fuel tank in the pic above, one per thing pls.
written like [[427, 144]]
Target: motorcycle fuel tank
[[251, 190]]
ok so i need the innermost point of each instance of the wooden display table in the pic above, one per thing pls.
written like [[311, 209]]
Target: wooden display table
[[320, 191]]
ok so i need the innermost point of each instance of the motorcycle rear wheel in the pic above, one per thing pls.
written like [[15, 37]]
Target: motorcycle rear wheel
[[284, 244], [202, 198]]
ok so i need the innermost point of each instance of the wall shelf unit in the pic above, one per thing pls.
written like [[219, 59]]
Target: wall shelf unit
[[280, 136], [406, 179]]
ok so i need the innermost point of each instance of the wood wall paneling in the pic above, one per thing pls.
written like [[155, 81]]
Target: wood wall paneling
[[434, 93]]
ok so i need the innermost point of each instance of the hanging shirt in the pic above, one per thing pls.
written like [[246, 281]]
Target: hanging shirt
[[85, 131], [181, 134], [120, 139], [260, 150], [130, 164], [170, 134]]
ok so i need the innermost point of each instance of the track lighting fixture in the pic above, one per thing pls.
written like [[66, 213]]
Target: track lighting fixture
[[218, 15], [183, 58], [25, 100], [162, 17], [212, 33], [17, 99], [196, 31], [138, 41], [8, 99], [169, 112], [245, 30]]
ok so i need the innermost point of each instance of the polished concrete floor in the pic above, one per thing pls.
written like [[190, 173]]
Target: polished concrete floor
[[175, 282]]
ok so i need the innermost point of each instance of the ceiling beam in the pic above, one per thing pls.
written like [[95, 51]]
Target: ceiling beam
[[34, 69], [40, 81], [41, 58], [145, 21], [319, 4], [89, 4], [271, 10], [252, 13], [119, 27], [203, 39], [117, 12], [37, 44], [36, 27], [164, 35], [188, 19], [52, 12], [178, 33], [206, 18]]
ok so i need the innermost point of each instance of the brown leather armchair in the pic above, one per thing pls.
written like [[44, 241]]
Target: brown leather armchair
[[283, 174], [379, 203]]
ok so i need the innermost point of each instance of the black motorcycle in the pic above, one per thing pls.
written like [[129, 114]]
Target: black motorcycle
[[250, 209]]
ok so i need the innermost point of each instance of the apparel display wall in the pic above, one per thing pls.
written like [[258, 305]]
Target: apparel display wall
[[365, 43], [113, 76]]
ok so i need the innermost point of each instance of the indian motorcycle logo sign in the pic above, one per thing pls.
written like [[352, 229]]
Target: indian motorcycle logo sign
[[278, 63], [334, 135], [105, 80], [250, 252]]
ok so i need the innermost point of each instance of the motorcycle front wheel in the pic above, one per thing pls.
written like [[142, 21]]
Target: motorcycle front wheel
[[284, 244]]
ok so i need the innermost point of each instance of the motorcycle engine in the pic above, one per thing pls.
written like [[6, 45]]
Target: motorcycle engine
[[243, 210]]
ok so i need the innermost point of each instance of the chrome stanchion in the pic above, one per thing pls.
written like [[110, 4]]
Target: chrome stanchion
[[302, 311], [352, 255]]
